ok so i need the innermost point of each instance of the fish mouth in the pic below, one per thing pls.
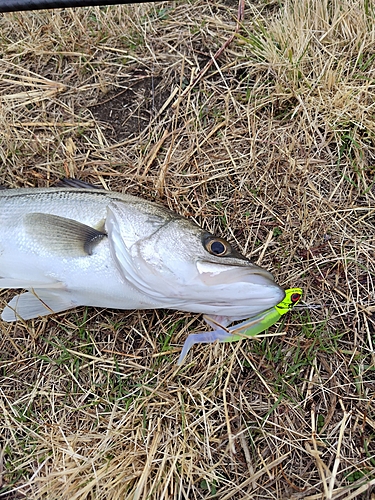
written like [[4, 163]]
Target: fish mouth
[[217, 274]]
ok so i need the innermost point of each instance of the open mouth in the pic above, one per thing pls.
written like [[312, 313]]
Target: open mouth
[[217, 274]]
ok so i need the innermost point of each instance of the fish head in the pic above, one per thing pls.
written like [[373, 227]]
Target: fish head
[[204, 272], [184, 267]]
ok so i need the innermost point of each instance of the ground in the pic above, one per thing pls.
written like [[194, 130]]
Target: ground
[[271, 147]]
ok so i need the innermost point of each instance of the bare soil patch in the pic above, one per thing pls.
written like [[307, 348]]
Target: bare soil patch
[[126, 113]]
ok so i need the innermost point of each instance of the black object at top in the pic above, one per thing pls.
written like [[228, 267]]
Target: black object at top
[[17, 5]]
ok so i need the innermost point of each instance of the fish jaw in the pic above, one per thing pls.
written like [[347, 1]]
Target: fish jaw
[[249, 289], [239, 301]]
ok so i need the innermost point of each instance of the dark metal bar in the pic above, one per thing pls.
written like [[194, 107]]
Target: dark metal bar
[[17, 5]]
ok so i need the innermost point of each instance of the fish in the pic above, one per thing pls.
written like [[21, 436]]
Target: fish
[[78, 245]]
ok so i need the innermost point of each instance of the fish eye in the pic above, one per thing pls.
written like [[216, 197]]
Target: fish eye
[[217, 246], [295, 297]]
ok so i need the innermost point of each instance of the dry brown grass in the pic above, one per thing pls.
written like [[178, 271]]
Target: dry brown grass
[[274, 148]]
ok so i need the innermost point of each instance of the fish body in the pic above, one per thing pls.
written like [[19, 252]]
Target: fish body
[[88, 247]]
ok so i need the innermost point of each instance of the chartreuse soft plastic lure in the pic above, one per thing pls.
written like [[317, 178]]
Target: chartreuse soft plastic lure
[[249, 328]]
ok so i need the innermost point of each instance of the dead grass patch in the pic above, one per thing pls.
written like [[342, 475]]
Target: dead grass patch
[[274, 148]]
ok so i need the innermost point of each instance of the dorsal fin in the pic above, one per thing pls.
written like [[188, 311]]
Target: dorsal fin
[[76, 184]]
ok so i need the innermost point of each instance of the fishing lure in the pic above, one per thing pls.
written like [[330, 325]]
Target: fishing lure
[[249, 328]]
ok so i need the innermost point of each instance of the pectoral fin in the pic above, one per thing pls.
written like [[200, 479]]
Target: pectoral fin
[[61, 235], [37, 303]]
